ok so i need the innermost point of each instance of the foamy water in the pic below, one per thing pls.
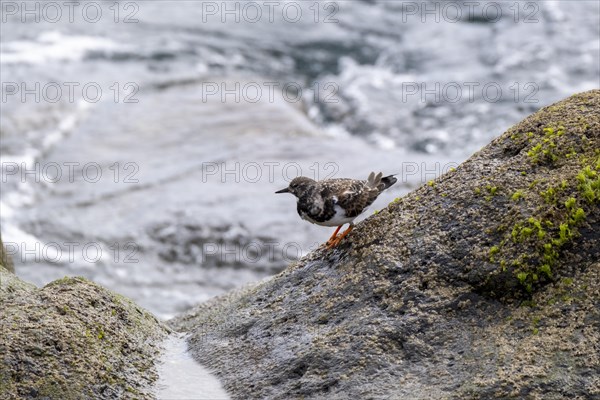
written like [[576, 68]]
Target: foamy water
[[54, 46]]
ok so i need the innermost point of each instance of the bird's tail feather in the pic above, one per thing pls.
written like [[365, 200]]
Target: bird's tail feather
[[374, 180], [379, 182]]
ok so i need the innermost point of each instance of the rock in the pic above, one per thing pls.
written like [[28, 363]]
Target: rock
[[73, 339], [5, 259], [481, 284]]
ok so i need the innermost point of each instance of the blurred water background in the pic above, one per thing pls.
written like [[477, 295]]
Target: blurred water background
[[148, 154]]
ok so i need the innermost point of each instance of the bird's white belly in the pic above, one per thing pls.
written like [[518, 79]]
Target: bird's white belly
[[338, 219]]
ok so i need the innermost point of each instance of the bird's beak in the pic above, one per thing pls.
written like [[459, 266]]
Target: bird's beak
[[286, 190]]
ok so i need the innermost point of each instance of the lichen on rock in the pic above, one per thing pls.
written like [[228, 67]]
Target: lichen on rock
[[73, 339], [482, 284]]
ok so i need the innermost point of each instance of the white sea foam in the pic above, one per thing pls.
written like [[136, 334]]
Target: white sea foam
[[14, 238], [23, 194], [54, 46]]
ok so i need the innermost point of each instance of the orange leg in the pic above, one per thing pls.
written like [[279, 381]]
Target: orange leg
[[332, 238], [338, 239]]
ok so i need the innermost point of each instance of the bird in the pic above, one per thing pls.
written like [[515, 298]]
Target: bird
[[336, 202]]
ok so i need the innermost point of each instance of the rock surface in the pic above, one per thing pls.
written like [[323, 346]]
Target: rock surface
[[73, 339], [5, 259], [481, 284]]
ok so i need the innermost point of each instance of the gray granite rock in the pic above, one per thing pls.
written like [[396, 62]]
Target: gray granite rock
[[481, 284]]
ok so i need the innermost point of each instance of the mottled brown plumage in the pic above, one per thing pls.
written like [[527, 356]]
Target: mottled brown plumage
[[335, 202]]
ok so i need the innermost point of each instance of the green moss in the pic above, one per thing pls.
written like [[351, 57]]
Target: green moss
[[522, 277], [493, 251], [555, 224], [567, 281], [570, 203], [550, 195], [534, 152], [545, 268], [589, 183], [535, 323], [578, 215], [522, 231], [545, 149], [489, 189], [518, 195], [571, 154], [492, 189], [100, 333]]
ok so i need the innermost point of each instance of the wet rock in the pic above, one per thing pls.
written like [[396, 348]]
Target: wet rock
[[481, 284], [73, 339]]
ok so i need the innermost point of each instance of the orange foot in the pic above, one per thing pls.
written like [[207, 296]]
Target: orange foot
[[333, 237], [334, 241]]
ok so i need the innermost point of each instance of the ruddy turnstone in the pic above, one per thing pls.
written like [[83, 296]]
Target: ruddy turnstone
[[335, 202]]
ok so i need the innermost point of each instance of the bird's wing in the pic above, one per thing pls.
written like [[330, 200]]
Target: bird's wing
[[356, 196]]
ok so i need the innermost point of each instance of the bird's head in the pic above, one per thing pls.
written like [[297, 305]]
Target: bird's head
[[298, 186]]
